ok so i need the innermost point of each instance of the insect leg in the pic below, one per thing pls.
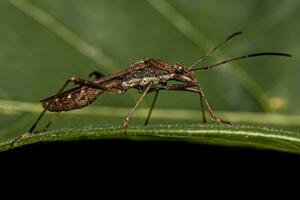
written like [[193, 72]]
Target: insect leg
[[202, 109], [197, 89], [26, 134], [96, 74], [81, 82], [72, 79], [55, 96], [50, 122], [211, 112], [84, 82], [126, 120], [151, 108], [184, 87]]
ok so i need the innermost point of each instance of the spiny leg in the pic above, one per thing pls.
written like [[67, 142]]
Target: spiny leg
[[202, 108], [193, 87], [74, 79], [97, 74], [50, 122], [87, 83], [44, 111], [213, 115], [126, 120], [183, 87], [151, 108], [26, 134]]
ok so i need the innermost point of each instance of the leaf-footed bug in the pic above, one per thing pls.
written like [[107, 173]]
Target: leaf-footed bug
[[149, 75]]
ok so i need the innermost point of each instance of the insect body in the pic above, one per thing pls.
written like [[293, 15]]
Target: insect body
[[149, 75], [138, 76]]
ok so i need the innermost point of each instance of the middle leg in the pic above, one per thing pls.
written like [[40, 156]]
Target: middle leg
[[151, 108], [126, 120]]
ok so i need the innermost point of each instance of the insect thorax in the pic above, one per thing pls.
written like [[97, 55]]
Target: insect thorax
[[143, 77]]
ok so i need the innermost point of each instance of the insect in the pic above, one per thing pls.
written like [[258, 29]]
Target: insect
[[147, 76]]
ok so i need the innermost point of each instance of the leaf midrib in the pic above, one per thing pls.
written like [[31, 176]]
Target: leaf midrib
[[243, 136]]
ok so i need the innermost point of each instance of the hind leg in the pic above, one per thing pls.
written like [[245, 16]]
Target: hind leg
[[26, 134], [74, 79], [54, 117], [97, 75], [30, 131]]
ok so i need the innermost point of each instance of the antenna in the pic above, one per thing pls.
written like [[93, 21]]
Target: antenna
[[243, 57], [214, 49]]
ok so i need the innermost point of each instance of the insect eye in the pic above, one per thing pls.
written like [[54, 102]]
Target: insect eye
[[179, 68]]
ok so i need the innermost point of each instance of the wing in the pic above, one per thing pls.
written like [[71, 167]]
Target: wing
[[149, 62], [136, 67]]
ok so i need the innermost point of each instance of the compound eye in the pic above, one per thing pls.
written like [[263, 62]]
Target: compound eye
[[179, 68]]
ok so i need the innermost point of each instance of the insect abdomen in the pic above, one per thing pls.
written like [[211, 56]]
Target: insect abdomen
[[73, 99]]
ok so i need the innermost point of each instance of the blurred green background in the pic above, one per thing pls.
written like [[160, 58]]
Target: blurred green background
[[43, 42]]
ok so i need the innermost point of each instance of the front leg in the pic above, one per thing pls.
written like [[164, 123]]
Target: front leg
[[163, 87], [184, 87], [213, 115], [195, 87]]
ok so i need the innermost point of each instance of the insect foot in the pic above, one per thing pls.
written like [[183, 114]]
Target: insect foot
[[125, 124], [220, 120], [21, 137]]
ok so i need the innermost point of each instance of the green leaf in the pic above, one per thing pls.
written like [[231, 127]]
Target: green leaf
[[233, 136]]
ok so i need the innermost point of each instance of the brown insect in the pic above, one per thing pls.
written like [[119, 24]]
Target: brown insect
[[149, 75]]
